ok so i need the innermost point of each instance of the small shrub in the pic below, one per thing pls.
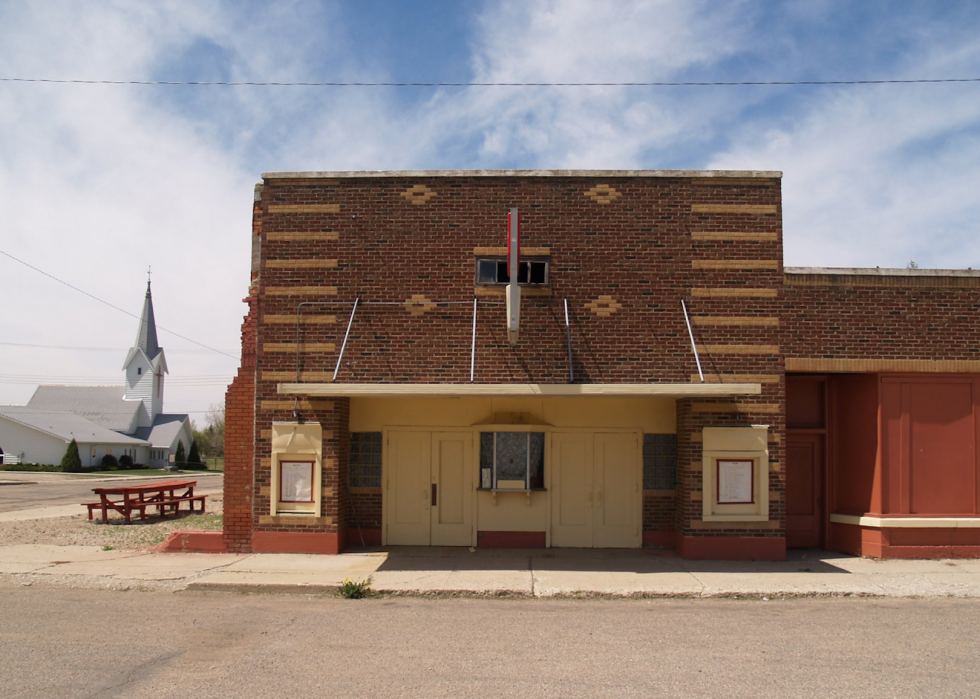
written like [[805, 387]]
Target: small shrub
[[109, 463], [125, 461], [194, 457], [354, 589], [71, 462]]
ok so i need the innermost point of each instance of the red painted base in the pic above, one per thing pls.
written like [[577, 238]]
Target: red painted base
[[193, 541], [352, 538], [731, 548], [662, 538], [904, 543], [296, 542], [511, 540]]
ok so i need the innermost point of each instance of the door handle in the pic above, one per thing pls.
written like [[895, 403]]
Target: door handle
[[434, 487], [598, 497]]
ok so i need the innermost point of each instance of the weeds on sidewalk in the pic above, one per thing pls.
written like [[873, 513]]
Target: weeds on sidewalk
[[354, 589]]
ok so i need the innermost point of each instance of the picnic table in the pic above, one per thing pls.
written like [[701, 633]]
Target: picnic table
[[163, 495]]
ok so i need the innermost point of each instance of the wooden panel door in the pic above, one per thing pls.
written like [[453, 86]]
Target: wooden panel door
[[617, 490], [407, 494], [804, 490], [572, 494], [451, 496]]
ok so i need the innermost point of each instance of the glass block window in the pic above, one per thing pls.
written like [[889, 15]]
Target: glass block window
[[659, 461], [512, 457], [364, 464]]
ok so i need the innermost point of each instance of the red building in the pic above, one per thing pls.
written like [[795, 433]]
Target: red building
[[654, 377]]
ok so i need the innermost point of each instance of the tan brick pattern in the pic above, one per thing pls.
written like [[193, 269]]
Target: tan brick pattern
[[302, 236], [756, 209], [750, 236], [603, 306], [300, 264], [418, 305], [735, 292], [303, 320], [418, 194], [603, 194], [300, 291], [735, 264], [303, 347], [304, 208]]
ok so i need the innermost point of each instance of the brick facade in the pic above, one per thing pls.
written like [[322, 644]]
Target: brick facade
[[624, 248]]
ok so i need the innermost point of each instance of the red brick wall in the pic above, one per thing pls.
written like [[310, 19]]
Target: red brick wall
[[882, 317], [240, 441]]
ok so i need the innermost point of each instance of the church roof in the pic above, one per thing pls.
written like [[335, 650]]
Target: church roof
[[103, 405], [163, 432], [66, 426]]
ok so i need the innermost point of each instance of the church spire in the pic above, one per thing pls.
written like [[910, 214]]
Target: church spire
[[146, 334]]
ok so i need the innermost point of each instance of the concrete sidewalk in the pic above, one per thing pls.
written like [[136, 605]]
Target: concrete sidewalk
[[494, 572]]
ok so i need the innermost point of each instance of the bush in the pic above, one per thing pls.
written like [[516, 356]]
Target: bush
[[37, 468], [125, 461], [109, 462], [194, 457], [179, 454], [71, 462]]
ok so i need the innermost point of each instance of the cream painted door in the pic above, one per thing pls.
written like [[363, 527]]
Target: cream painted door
[[571, 485], [407, 493], [595, 485], [617, 506], [451, 496]]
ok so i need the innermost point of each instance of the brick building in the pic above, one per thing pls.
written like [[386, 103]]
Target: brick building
[[668, 382]]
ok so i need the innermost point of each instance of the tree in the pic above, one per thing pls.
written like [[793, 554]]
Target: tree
[[215, 430], [179, 455], [71, 462], [194, 457]]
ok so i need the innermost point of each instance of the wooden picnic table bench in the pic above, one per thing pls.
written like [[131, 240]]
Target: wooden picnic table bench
[[127, 499]]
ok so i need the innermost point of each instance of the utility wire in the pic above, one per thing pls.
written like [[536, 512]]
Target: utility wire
[[715, 83], [171, 350], [122, 310]]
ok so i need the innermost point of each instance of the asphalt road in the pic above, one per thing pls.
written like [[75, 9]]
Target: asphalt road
[[83, 643], [51, 490]]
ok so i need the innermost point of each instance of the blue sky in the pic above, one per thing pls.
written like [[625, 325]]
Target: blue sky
[[99, 182]]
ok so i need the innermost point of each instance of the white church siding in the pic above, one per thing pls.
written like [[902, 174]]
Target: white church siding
[[32, 446]]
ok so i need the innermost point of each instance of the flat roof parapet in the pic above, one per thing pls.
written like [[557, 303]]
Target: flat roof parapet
[[881, 276], [349, 174]]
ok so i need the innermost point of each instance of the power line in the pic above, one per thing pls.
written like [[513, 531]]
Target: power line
[[692, 83], [121, 310], [171, 350]]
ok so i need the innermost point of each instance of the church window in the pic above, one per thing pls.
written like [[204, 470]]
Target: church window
[[139, 371]]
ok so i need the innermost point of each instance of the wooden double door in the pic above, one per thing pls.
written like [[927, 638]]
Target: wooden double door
[[428, 496], [596, 490]]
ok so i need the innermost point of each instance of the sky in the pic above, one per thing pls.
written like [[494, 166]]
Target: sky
[[99, 183]]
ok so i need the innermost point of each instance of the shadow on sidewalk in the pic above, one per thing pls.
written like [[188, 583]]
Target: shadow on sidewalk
[[446, 558]]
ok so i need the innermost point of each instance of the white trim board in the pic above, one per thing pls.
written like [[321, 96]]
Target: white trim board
[[909, 522], [393, 390]]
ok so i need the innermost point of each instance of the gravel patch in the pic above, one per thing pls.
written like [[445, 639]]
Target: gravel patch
[[114, 534]]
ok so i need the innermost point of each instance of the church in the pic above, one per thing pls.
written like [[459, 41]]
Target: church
[[125, 420]]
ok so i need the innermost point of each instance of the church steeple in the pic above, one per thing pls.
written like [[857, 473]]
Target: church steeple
[[145, 365], [146, 334]]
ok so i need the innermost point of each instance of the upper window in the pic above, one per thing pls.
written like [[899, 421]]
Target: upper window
[[139, 371], [531, 271]]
